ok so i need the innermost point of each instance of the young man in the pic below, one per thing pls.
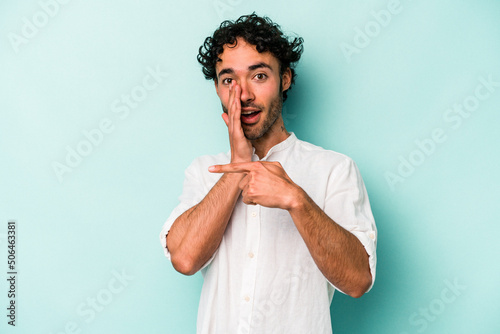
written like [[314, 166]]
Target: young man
[[277, 224]]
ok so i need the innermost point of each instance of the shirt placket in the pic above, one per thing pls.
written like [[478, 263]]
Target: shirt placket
[[253, 219]]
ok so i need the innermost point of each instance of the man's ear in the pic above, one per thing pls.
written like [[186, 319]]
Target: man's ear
[[286, 79]]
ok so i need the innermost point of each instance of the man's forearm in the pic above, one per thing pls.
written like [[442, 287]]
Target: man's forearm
[[338, 253], [196, 234]]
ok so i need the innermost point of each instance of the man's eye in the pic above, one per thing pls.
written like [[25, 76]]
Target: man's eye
[[227, 81], [260, 76]]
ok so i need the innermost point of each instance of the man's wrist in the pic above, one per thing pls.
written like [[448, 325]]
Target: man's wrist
[[237, 161], [298, 200], [240, 158]]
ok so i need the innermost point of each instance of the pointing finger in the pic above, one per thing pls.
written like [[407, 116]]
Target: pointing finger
[[243, 167]]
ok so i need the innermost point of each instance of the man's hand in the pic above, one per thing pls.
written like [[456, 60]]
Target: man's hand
[[241, 147], [265, 183]]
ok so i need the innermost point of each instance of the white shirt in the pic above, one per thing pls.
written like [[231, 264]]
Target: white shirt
[[262, 278]]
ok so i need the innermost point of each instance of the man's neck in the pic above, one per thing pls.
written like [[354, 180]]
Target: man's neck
[[274, 136]]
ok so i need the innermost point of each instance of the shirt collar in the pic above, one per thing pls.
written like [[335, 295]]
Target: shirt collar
[[281, 146]]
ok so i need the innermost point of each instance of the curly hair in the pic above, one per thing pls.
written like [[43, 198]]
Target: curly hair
[[255, 30]]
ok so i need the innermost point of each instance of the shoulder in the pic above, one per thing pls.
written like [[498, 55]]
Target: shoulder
[[318, 154]]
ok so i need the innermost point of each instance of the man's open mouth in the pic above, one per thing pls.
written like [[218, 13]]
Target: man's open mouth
[[250, 117]]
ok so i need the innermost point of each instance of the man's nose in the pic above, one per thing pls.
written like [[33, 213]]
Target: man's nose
[[246, 92]]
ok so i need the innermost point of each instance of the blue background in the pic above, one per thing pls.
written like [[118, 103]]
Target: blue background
[[380, 102]]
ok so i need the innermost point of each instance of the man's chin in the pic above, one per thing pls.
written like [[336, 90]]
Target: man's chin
[[252, 135]]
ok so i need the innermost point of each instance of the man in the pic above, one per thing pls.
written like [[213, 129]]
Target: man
[[277, 224]]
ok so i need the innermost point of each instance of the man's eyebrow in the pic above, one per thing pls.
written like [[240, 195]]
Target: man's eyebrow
[[225, 71], [259, 65], [250, 68]]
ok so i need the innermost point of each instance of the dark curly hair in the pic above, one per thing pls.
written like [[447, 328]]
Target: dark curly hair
[[258, 31]]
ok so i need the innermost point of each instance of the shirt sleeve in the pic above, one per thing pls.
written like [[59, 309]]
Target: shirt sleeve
[[348, 205], [194, 190]]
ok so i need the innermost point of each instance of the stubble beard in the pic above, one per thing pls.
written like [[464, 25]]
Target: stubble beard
[[253, 133]]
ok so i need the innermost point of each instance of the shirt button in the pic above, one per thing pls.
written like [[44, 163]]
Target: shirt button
[[254, 214], [372, 236], [250, 255], [247, 299]]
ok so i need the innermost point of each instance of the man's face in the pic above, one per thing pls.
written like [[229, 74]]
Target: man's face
[[261, 87]]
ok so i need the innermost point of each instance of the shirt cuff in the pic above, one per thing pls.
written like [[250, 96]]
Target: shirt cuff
[[163, 239], [369, 241]]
